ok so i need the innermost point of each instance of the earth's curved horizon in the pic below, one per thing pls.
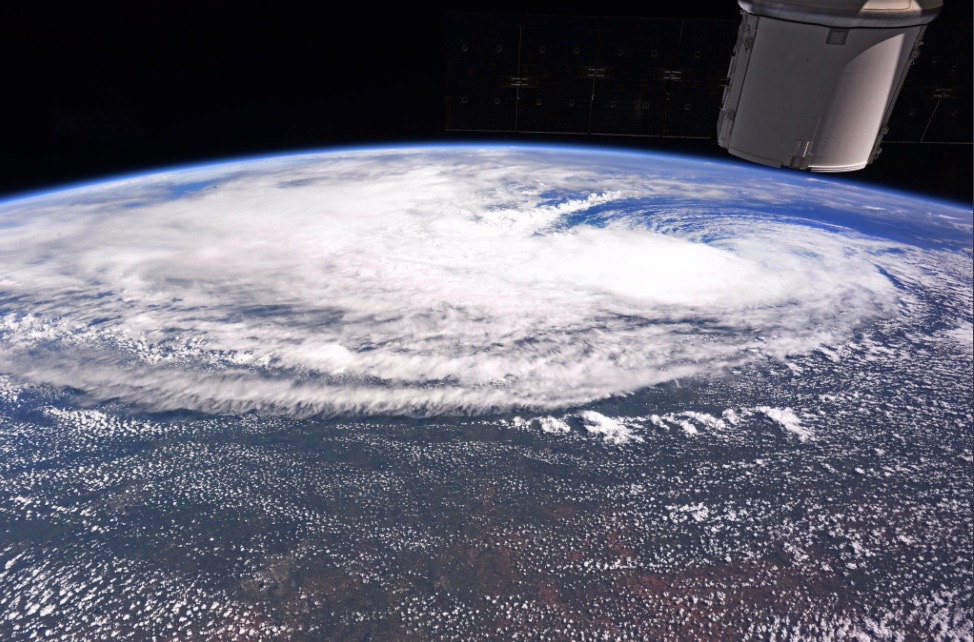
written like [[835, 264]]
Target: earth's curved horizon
[[481, 391]]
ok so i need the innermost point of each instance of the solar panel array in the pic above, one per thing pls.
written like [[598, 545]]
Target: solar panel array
[[649, 77], [935, 103]]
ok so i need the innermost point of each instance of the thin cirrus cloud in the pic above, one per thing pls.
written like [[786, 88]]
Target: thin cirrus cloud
[[425, 281]]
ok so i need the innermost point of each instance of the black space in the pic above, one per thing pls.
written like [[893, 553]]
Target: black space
[[95, 91]]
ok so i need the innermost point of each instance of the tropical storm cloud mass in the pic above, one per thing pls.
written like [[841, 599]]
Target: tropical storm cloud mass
[[442, 281], [467, 394]]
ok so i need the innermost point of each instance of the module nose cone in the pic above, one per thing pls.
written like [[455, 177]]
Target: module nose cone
[[812, 84]]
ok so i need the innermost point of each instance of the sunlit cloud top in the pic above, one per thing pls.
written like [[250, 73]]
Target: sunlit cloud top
[[437, 281]]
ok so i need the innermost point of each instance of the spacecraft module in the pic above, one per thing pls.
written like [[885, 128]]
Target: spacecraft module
[[812, 83]]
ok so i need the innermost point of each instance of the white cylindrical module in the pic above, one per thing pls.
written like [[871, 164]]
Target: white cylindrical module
[[812, 83]]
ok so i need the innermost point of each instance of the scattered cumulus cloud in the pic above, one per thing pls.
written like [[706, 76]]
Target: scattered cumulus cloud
[[787, 419], [611, 430]]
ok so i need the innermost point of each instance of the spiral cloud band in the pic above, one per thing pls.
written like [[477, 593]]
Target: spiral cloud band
[[429, 281]]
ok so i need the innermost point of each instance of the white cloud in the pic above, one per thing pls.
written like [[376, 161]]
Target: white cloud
[[963, 334], [612, 431], [554, 425], [787, 419], [419, 282]]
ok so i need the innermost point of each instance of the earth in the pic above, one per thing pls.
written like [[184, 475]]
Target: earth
[[485, 393]]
